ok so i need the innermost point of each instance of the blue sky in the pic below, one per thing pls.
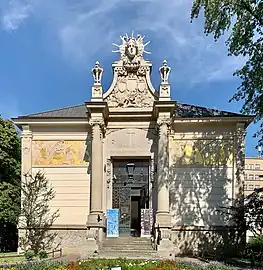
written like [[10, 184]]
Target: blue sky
[[48, 48]]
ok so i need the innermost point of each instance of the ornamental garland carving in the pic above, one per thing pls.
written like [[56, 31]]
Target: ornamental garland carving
[[130, 91]]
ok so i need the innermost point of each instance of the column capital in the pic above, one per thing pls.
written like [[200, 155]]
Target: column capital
[[97, 121], [164, 121], [26, 134]]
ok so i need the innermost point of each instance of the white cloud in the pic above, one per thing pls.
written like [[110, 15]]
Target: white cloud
[[85, 28], [14, 13]]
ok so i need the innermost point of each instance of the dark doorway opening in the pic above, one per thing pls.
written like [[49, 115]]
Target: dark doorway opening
[[135, 216], [130, 193]]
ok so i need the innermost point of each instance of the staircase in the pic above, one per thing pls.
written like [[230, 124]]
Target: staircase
[[127, 247]]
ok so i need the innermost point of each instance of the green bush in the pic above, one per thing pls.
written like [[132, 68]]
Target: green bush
[[256, 244], [29, 255], [42, 254]]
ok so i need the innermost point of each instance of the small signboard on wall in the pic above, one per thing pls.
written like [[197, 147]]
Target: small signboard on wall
[[113, 222], [146, 222]]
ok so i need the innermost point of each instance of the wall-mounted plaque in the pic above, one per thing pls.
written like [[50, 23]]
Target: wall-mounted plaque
[[113, 222], [146, 222]]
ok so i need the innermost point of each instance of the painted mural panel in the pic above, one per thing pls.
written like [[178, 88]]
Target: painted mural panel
[[214, 152], [60, 153]]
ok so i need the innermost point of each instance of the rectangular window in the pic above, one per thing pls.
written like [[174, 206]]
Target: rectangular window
[[245, 187], [256, 177], [251, 166], [245, 176], [257, 186], [257, 166], [251, 177], [250, 187]]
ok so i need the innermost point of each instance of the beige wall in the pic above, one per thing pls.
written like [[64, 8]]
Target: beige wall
[[72, 186], [201, 173], [63, 154], [253, 174]]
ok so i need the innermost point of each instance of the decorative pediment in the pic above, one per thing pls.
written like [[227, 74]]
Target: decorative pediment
[[131, 86]]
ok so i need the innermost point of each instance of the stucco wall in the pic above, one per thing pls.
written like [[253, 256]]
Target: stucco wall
[[201, 174], [66, 165], [72, 186]]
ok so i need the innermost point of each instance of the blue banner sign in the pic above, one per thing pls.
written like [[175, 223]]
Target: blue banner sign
[[113, 222]]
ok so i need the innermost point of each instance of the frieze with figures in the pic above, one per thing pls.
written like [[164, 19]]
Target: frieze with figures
[[201, 152], [60, 153]]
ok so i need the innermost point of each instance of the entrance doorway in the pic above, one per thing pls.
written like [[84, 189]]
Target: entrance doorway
[[130, 194]]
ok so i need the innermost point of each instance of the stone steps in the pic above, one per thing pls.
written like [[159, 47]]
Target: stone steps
[[127, 247]]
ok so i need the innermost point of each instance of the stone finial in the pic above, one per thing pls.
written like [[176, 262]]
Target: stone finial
[[97, 72], [165, 71]]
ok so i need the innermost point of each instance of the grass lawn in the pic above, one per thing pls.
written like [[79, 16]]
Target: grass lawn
[[9, 257]]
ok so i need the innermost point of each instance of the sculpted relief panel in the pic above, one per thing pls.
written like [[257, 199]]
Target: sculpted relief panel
[[60, 153], [131, 139], [207, 152], [130, 91]]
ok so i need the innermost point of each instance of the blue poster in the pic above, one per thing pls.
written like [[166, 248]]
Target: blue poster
[[113, 222]]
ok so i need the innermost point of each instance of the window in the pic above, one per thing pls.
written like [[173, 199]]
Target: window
[[257, 186], [245, 187], [250, 187], [251, 166], [257, 166], [251, 177], [245, 176], [256, 177]]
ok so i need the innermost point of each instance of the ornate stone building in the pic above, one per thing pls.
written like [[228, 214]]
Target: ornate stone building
[[133, 148]]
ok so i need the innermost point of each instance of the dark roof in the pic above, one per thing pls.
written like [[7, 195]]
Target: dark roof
[[77, 111], [182, 110], [187, 110]]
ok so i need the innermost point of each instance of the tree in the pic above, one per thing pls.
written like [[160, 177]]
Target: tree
[[246, 214], [9, 185], [243, 20], [36, 217]]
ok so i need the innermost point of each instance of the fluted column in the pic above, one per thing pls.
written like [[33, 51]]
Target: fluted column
[[97, 169], [96, 212], [163, 212]]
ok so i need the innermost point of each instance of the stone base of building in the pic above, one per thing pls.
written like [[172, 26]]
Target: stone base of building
[[198, 241], [186, 241]]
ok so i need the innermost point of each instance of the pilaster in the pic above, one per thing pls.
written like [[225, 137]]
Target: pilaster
[[26, 145], [26, 166], [163, 110], [163, 218], [96, 218], [239, 158]]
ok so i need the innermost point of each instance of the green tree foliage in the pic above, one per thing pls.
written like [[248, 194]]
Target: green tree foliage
[[246, 214], [9, 184], [243, 21], [36, 218]]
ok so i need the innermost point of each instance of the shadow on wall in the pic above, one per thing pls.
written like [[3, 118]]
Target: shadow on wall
[[201, 180]]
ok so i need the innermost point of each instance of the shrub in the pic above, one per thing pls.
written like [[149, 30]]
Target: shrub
[[254, 250], [42, 254], [256, 244], [29, 255]]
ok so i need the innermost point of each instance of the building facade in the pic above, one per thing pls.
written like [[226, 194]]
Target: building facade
[[134, 149], [253, 174]]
